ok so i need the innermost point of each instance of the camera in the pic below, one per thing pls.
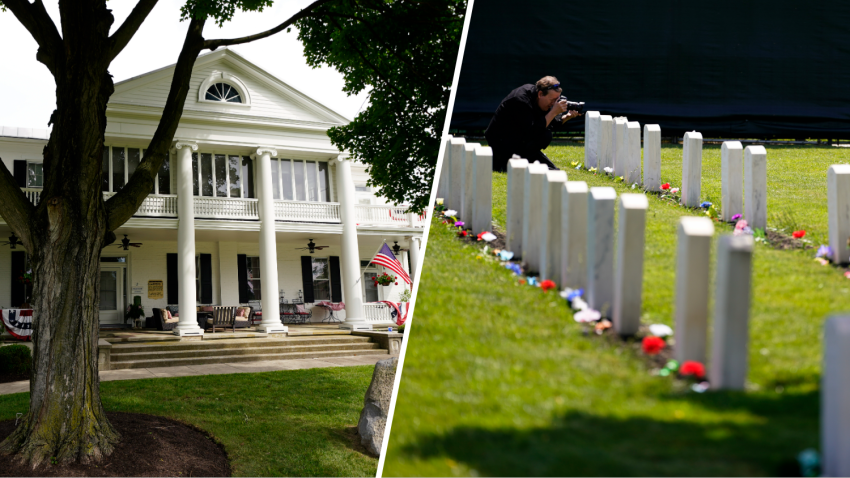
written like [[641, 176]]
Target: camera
[[573, 105]]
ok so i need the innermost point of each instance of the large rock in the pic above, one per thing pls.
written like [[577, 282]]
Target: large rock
[[376, 406]]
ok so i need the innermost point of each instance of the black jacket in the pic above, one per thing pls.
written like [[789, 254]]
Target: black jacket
[[518, 127]]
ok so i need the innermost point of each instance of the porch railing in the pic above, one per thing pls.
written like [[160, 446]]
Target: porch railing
[[377, 313], [301, 211]]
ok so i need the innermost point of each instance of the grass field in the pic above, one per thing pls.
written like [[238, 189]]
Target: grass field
[[501, 381], [288, 423]]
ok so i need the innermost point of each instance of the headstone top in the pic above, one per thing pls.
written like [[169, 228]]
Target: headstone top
[[518, 163], [743, 243], [556, 176], [757, 149], [633, 124], [606, 118], [731, 145], [840, 168], [576, 186], [652, 127], [634, 201], [483, 150], [693, 135], [537, 168], [592, 114], [602, 193], [470, 147], [697, 226], [458, 141]]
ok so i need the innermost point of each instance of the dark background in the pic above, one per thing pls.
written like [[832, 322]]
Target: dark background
[[757, 69]]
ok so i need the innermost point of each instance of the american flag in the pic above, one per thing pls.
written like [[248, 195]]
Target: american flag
[[386, 258]]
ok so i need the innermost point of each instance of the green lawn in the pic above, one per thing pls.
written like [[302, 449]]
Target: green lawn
[[288, 423], [501, 381]]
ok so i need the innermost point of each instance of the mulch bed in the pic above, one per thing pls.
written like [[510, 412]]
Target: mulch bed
[[149, 446], [13, 377], [782, 242]]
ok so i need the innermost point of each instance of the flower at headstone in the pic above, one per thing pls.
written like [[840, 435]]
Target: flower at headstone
[[587, 315], [439, 201], [533, 281], [578, 167], [547, 285], [462, 233], [506, 255], [571, 294], [824, 251], [602, 325], [712, 212], [705, 204], [450, 212], [634, 185], [821, 260], [736, 217], [579, 304], [514, 267], [487, 236], [619, 179], [522, 281], [798, 234], [458, 223], [608, 170], [674, 190], [809, 461], [665, 186], [652, 345], [672, 365], [847, 274], [700, 387], [660, 330], [575, 163], [692, 368], [741, 228], [592, 170]]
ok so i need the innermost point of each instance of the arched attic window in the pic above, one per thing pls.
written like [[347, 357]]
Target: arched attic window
[[223, 92]]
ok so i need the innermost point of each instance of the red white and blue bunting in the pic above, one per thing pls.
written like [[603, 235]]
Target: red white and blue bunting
[[18, 322], [398, 311]]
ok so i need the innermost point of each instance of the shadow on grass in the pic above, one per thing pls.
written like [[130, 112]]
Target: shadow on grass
[[580, 444]]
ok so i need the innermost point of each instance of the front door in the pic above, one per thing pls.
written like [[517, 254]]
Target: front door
[[112, 294]]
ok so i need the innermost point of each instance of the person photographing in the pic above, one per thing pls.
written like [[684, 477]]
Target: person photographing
[[521, 123]]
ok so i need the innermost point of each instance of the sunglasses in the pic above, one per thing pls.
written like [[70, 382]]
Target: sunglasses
[[556, 87]]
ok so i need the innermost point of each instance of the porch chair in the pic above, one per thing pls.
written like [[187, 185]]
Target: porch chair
[[163, 320], [223, 316], [302, 314], [243, 317]]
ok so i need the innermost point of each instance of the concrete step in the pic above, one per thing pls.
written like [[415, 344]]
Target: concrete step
[[150, 347], [171, 362], [235, 352]]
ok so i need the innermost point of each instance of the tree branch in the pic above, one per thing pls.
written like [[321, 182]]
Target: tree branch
[[15, 208], [213, 44], [122, 206], [35, 19], [128, 29]]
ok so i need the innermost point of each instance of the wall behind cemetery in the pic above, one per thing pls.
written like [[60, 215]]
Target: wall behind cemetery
[[729, 68]]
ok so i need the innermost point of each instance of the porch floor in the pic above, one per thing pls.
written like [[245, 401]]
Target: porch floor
[[152, 335]]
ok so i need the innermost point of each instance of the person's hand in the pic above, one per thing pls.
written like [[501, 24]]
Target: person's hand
[[560, 107], [570, 115]]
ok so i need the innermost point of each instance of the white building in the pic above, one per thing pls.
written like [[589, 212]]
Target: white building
[[253, 166]]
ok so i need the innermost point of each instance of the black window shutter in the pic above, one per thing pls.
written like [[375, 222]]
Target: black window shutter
[[19, 262], [171, 278], [242, 268], [307, 278], [206, 279], [336, 283], [20, 170]]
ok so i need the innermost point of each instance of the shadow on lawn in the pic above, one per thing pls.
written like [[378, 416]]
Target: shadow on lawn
[[579, 444]]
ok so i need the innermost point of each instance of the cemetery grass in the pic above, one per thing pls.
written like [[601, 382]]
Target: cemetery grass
[[286, 423], [499, 379]]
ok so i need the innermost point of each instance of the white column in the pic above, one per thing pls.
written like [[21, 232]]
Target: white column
[[187, 300], [835, 398], [838, 199], [355, 318], [551, 244], [691, 168], [268, 245], [533, 219], [652, 157], [516, 196], [414, 258], [618, 138], [631, 146], [591, 130], [604, 153], [228, 273], [457, 175], [755, 186], [730, 344], [444, 171], [731, 180], [482, 204], [574, 235], [469, 184], [692, 273], [628, 277], [600, 249]]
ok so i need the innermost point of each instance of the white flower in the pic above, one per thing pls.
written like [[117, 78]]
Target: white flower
[[674, 190], [587, 315], [660, 330], [579, 304], [634, 185], [450, 212], [488, 236], [608, 170]]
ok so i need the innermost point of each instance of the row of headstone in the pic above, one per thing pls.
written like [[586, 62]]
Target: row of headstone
[[616, 143], [751, 201], [466, 182]]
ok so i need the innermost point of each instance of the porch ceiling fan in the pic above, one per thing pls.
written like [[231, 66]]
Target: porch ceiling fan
[[397, 248], [312, 247], [12, 242], [126, 244]]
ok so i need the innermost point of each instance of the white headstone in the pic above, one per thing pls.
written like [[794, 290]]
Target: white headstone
[[631, 144], [591, 131], [445, 171], [730, 344], [838, 199], [652, 157], [628, 275], [600, 249], [533, 215], [835, 398], [469, 182], [618, 146], [574, 235], [755, 186], [692, 277], [604, 153], [458, 170], [691, 168], [731, 179], [516, 196], [550, 248], [482, 205]]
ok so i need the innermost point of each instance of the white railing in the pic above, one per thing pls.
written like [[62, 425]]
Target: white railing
[[301, 211], [388, 216], [158, 206], [377, 313], [226, 208], [34, 195]]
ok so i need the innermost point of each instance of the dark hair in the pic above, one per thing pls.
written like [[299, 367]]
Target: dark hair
[[548, 83]]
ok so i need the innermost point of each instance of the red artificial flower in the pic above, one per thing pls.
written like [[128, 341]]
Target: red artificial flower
[[522, 281], [799, 234], [462, 233], [547, 285], [665, 186], [653, 345], [692, 368], [396, 283]]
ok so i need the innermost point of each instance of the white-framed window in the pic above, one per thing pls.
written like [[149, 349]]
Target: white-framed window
[[254, 277], [371, 292], [119, 163], [223, 92], [222, 175], [35, 174], [321, 279], [300, 180]]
